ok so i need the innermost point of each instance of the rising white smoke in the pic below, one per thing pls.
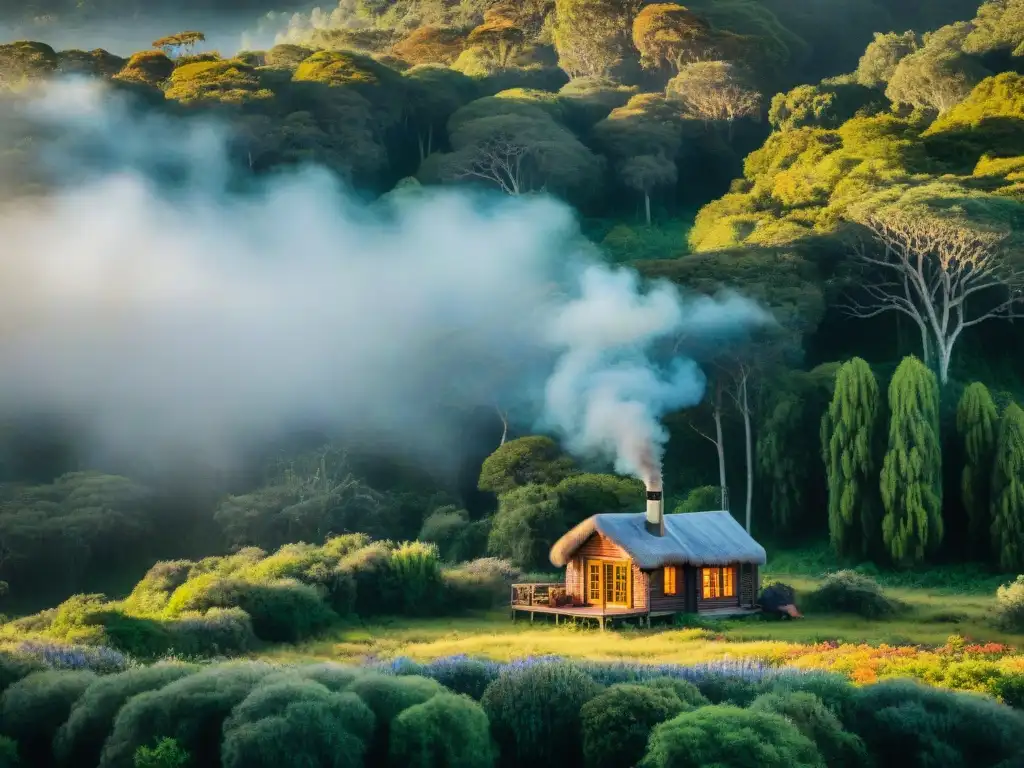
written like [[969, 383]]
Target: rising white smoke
[[187, 318]]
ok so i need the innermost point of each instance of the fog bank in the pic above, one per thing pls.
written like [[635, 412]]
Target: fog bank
[[194, 320]]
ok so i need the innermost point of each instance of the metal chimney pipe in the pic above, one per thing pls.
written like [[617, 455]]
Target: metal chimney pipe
[[655, 522]]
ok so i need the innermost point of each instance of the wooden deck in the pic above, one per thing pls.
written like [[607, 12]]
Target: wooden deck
[[545, 599]]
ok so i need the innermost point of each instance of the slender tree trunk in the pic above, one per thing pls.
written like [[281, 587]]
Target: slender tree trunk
[[748, 434], [647, 207], [720, 446], [430, 138], [504, 424]]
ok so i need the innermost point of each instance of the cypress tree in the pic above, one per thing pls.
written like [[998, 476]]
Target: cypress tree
[[1008, 491], [912, 469], [977, 422], [848, 448]]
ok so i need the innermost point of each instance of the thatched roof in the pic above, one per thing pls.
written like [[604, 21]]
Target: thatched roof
[[691, 538]]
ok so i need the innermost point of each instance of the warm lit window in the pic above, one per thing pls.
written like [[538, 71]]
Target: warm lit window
[[718, 582], [670, 580]]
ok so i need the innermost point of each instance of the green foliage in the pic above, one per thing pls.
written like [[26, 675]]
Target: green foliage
[[977, 420], [702, 499], [388, 697], [909, 725], [827, 105], [190, 710], [414, 577], [33, 709], [297, 722], [849, 444], [1010, 605], [851, 592], [14, 668], [688, 693], [939, 75], [876, 67], [1010, 689], [583, 495], [9, 753], [446, 731], [166, 754], [482, 583], [912, 469], [524, 461], [535, 714], [815, 721], [726, 689], [617, 723], [728, 736], [528, 521], [81, 736], [24, 61], [1008, 491]]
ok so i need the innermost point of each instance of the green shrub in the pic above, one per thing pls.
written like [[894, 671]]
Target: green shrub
[[462, 675], [815, 721], [33, 709], [908, 725], [479, 584], [166, 754], [334, 677], [851, 592], [444, 527], [446, 731], [281, 611], [535, 714], [367, 568], [1010, 605], [617, 723], [702, 499], [219, 631], [14, 668], [9, 753], [79, 619], [151, 594], [191, 710], [1010, 688], [387, 697], [729, 689], [414, 579], [297, 722], [727, 737], [834, 691], [80, 739], [685, 691]]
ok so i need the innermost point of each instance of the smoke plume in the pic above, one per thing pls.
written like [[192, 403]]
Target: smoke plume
[[148, 299]]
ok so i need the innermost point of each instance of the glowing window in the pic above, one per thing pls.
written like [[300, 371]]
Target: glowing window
[[670, 580]]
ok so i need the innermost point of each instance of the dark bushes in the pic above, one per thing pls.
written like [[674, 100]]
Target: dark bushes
[[297, 723], [851, 592], [387, 697], [34, 708], [688, 693], [730, 737], [446, 731], [617, 722], [80, 739], [908, 725], [14, 668], [535, 714], [810, 716], [190, 710]]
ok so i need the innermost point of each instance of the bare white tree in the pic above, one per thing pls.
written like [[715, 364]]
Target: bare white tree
[[940, 271], [715, 92], [500, 161], [715, 403]]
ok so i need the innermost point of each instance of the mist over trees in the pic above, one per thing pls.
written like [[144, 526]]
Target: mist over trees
[[856, 167]]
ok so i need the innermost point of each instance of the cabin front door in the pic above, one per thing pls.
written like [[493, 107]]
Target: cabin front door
[[608, 583]]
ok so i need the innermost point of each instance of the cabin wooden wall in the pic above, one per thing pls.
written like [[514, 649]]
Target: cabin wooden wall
[[677, 602], [598, 547]]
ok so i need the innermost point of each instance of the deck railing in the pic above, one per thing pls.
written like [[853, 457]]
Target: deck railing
[[541, 593]]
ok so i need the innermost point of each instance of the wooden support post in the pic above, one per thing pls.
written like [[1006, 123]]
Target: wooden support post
[[531, 617], [602, 623]]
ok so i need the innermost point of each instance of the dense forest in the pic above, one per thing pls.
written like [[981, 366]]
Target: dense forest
[[853, 166]]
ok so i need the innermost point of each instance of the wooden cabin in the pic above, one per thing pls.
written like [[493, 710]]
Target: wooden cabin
[[632, 565]]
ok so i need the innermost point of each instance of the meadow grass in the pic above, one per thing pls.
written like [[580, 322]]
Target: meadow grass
[[931, 617]]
